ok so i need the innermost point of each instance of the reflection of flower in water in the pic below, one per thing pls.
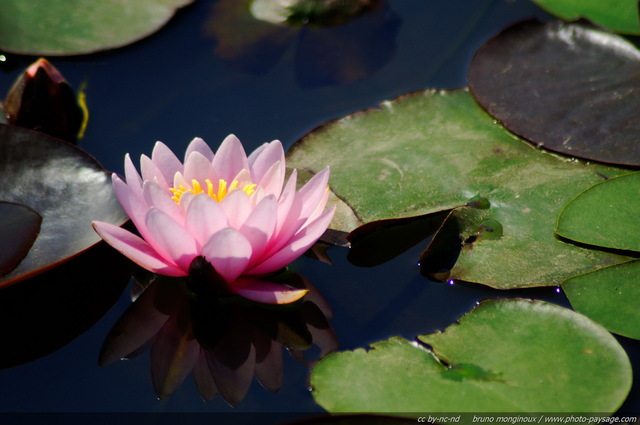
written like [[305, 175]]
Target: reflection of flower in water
[[222, 341], [338, 43], [235, 211]]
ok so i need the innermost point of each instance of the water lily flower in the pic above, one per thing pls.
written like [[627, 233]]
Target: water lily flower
[[234, 211]]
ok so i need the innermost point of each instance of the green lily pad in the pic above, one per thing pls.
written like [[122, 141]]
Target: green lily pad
[[432, 151], [609, 296], [504, 356], [19, 227], [617, 15], [576, 88], [605, 214], [65, 186], [42, 27]]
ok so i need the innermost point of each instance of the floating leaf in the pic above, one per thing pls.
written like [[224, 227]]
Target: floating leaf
[[609, 296], [19, 227], [432, 151], [605, 215], [478, 365], [42, 27], [63, 184], [569, 87], [617, 15]]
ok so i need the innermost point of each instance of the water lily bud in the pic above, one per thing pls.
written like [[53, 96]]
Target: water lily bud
[[42, 100]]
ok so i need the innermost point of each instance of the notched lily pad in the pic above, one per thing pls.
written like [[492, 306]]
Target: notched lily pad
[[476, 365], [65, 186], [19, 226], [569, 87], [432, 151], [42, 27]]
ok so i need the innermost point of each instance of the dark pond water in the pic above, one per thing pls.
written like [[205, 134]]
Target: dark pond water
[[172, 87]]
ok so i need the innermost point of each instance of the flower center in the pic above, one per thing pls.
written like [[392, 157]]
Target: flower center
[[222, 190]]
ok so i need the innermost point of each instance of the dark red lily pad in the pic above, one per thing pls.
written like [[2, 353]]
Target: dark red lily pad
[[19, 226], [65, 186], [569, 87]]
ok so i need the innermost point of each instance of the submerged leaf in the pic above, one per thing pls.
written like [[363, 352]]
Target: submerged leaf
[[430, 151], [42, 27], [568, 87], [572, 365]]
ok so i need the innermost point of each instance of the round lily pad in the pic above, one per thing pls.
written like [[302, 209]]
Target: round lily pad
[[65, 186], [609, 296], [569, 87], [42, 27], [505, 356], [605, 214]]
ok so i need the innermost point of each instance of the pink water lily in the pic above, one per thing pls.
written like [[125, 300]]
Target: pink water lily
[[234, 211]]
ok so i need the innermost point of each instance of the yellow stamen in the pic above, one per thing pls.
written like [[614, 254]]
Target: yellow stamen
[[223, 190]]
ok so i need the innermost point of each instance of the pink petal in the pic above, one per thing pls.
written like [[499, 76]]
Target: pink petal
[[304, 204], [243, 178], [264, 160], [296, 246], [288, 221], [131, 174], [198, 167], [136, 249], [199, 145], [265, 292], [237, 206], [313, 192], [260, 225], [133, 203], [205, 217], [170, 239], [273, 179], [150, 171], [166, 161], [230, 158], [319, 206], [228, 251], [285, 202], [160, 198]]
